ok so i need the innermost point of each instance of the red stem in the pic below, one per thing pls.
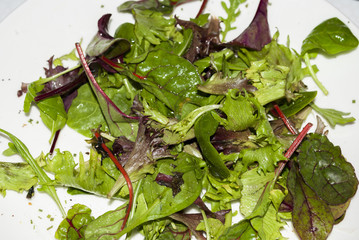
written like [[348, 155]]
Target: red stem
[[204, 3], [285, 120], [114, 65], [125, 175], [96, 85], [293, 147]]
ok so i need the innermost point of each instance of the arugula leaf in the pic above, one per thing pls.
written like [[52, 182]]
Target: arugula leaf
[[333, 116], [232, 13], [44, 180], [326, 171], [331, 37]]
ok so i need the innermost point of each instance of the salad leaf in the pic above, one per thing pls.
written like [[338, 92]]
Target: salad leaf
[[104, 44], [52, 110], [257, 34], [16, 176], [75, 223], [333, 116], [232, 13], [331, 37], [204, 128], [44, 180], [154, 201], [326, 171], [311, 216]]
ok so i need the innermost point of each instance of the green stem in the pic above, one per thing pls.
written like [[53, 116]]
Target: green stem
[[45, 80], [314, 76], [205, 220]]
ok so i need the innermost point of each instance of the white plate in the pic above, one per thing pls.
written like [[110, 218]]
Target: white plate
[[42, 28]]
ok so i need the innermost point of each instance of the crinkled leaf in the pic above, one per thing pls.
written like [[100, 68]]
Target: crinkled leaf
[[153, 27], [326, 171], [89, 176], [268, 226], [331, 37]]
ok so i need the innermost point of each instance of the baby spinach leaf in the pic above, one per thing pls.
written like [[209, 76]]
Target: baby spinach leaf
[[326, 171], [311, 216], [85, 113], [52, 109], [172, 79], [331, 37]]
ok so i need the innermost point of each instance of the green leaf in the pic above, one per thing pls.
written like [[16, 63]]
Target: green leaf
[[333, 116], [75, 223], [326, 171], [153, 27], [331, 37], [290, 109], [172, 79], [154, 201], [311, 216], [52, 110], [85, 113], [240, 111], [254, 184], [44, 180], [268, 226], [240, 230], [232, 13], [16, 176], [204, 128]]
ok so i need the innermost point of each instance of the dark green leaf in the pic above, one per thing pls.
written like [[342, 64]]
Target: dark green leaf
[[289, 109], [241, 230], [326, 171], [204, 128], [311, 216]]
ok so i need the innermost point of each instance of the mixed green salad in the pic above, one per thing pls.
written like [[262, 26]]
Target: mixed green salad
[[183, 124]]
